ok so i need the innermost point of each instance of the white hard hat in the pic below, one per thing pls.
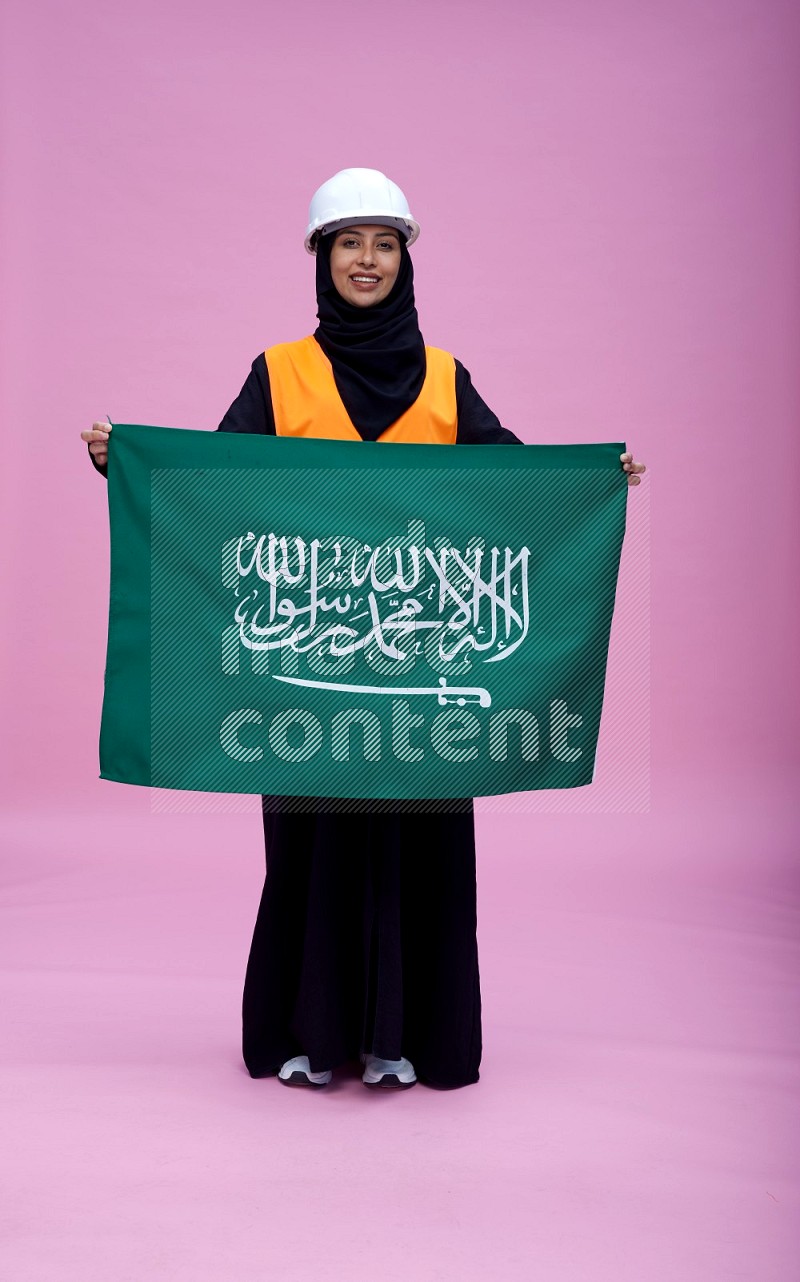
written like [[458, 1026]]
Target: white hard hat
[[358, 196]]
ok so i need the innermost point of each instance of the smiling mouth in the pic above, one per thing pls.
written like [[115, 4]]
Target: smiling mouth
[[366, 280]]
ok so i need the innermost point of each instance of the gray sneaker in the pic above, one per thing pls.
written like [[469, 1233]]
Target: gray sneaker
[[297, 1072], [397, 1074]]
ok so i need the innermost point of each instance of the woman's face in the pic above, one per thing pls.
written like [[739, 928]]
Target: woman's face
[[364, 263]]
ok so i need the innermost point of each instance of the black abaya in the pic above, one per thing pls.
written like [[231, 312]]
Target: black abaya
[[366, 940]]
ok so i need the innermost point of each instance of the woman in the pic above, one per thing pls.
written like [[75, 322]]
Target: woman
[[365, 941]]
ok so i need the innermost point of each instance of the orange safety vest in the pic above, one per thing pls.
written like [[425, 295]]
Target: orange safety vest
[[306, 400]]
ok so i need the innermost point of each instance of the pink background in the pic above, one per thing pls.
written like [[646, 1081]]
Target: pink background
[[609, 199]]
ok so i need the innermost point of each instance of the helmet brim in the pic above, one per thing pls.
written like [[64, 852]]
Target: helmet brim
[[408, 226]]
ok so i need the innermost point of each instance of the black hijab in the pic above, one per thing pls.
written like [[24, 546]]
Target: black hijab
[[377, 352]]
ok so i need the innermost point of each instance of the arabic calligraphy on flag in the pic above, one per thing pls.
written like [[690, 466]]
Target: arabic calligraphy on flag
[[405, 598]]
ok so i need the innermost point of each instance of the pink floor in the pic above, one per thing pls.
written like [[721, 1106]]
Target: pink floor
[[636, 1118]]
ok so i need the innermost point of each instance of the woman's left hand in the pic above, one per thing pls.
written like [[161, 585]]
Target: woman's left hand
[[630, 467]]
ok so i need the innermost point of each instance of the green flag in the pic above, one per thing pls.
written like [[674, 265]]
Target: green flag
[[341, 619]]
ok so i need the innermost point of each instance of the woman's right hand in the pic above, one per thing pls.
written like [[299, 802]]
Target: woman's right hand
[[98, 441]]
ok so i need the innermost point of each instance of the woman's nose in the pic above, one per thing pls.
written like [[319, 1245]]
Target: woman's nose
[[367, 255]]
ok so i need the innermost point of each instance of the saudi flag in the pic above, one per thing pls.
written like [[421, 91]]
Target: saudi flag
[[342, 619]]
